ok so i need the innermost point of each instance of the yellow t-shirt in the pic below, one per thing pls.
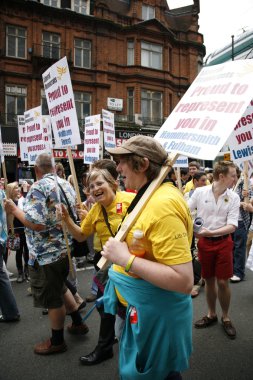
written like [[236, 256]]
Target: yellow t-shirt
[[167, 226], [189, 186], [94, 221]]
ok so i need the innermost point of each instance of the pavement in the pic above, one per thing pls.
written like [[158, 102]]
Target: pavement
[[215, 356]]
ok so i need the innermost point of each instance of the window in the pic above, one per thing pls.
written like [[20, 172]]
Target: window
[[151, 55], [82, 53], [44, 106], [83, 104], [51, 3], [51, 45], [148, 12], [81, 6], [151, 106], [130, 52], [15, 102], [15, 41], [130, 104]]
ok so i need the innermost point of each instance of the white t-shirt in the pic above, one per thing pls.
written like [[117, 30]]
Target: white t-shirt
[[215, 215]]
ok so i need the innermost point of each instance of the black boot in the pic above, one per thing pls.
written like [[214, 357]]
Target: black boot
[[97, 356]]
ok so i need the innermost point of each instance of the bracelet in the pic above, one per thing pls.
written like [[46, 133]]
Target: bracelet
[[129, 263]]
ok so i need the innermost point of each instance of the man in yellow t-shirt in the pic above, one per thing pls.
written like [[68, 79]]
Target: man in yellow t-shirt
[[165, 278]]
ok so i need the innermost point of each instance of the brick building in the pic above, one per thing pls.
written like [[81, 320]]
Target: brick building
[[137, 54]]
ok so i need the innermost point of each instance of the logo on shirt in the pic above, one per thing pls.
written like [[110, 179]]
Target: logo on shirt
[[119, 208]]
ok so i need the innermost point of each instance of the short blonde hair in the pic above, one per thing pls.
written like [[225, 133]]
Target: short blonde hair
[[105, 174]]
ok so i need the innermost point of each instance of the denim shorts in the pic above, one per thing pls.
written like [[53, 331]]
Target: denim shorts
[[48, 283]]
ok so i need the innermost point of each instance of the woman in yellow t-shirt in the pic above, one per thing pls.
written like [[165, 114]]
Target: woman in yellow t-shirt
[[103, 188]]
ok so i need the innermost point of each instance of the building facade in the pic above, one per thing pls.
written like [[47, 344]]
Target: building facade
[[136, 58]]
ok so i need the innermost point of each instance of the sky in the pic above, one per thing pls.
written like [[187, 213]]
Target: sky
[[220, 19]]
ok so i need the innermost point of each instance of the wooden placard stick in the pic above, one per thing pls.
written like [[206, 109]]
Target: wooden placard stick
[[73, 172], [127, 224], [179, 182], [246, 179], [4, 174]]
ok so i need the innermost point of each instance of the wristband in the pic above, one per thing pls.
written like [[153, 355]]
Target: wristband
[[129, 263]]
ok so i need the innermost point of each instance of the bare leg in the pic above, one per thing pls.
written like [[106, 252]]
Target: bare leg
[[57, 317], [224, 296], [70, 302], [211, 296]]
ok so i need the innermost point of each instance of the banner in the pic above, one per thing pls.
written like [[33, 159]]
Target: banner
[[109, 129], [91, 139], [22, 138], [34, 134], [241, 139], [61, 104], [208, 112]]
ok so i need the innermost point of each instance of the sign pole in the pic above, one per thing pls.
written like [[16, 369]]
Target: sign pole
[[127, 224], [246, 179]]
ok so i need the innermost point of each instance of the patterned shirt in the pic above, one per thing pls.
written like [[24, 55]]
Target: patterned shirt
[[3, 222], [47, 245]]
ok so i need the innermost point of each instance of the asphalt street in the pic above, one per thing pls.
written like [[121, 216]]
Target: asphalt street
[[215, 357]]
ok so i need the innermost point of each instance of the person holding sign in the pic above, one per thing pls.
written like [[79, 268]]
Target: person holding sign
[[156, 340], [218, 206], [48, 258], [103, 220]]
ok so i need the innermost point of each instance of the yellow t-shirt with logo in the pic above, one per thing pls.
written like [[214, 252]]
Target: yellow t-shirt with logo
[[94, 221], [190, 186], [167, 226]]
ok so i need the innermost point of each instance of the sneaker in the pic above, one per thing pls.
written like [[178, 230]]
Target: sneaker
[[46, 348], [20, 278], [235, 279], [10, 274], [78, 329]]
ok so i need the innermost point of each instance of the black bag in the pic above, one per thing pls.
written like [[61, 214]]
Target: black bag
[[79, 249]]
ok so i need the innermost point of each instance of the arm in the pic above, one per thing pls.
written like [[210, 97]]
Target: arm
[[177, 278], [11, 208], [204, 232], [73, 228]]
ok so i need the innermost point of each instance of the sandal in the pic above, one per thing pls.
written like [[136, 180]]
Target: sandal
[[205, 322]]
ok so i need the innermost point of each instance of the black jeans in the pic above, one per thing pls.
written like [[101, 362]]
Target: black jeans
[[106, 331], [174, 376], [22, 252]]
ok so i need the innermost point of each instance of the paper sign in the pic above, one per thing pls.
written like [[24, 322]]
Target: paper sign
[[22, 138], [34, 134], [47, 133], [241, 139], [208, 112], [91, 139], [109, 129], [61, 104], [1, 147], [181, 162]]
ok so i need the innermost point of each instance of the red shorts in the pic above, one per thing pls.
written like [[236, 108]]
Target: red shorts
[[216, 258]]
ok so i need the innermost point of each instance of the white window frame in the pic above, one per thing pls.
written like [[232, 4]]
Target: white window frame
[[149, 52], [84, 50], [51, 3], [147, 12], [130, 52], [81, 6], [16, 91], [150, 97], [18, 38], [80, 100], [51, 45]]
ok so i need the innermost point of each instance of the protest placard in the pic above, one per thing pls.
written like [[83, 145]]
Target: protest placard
[[91, 138], [47, 133], [241, 139], [34, 134], [61, 104], [208, 112], [181, 162], [109, 129], [22, 138]]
